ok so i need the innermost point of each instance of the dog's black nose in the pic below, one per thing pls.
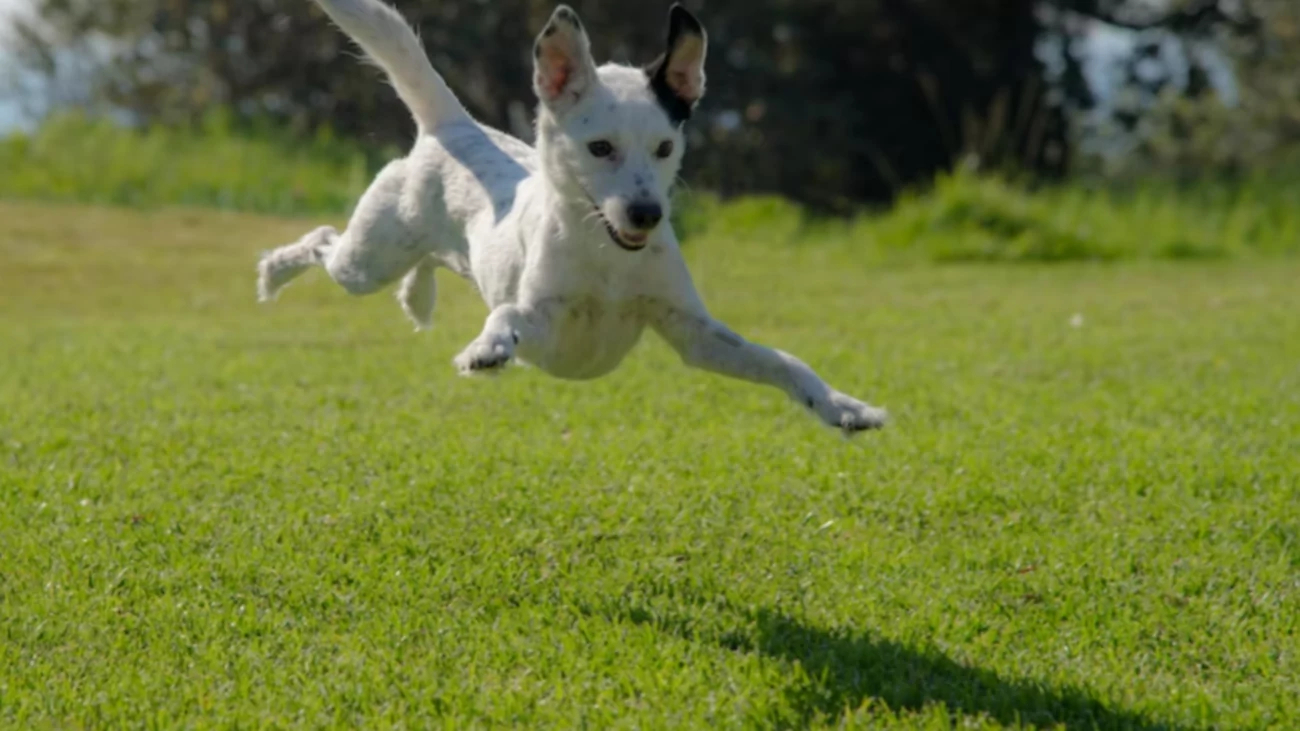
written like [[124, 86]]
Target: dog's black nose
[[646, 215]]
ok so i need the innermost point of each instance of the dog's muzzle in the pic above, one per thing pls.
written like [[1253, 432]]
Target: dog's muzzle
[[635, 242]]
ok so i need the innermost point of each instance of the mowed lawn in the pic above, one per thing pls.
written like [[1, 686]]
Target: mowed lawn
[[1084, 514]]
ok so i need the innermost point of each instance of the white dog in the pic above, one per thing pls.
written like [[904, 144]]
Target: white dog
[[568, 243]]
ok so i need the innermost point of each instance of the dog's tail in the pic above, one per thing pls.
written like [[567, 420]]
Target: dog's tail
[[390, 42]]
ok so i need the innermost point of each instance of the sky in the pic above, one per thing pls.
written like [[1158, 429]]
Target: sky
[[10, 112]]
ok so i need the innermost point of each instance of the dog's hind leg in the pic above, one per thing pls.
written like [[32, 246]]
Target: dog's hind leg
[[418, 292], [382, 242], [280, 266]]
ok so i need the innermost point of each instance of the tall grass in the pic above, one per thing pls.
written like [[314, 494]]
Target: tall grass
[[965, 217], [961, 217], [77, 158]]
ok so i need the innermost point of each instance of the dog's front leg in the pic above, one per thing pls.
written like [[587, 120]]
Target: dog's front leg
[[506, 327], [703, 342]]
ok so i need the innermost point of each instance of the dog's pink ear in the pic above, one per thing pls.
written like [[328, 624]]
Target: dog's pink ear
[[563, 68], [677, 77]]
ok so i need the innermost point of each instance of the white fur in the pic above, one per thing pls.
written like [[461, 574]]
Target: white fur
[[545, 234]]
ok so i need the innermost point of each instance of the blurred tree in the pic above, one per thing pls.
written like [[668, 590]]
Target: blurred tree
[[830, 102], [1190, 136]]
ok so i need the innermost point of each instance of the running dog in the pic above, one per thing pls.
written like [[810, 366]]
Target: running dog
[[569, 242]]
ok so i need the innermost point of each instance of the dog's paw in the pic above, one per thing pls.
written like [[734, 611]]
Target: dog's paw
[[849, 414], [484, 356], [268, 286]]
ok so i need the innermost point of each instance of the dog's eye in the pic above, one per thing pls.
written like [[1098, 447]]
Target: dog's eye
[[665, 149], [600, 148]]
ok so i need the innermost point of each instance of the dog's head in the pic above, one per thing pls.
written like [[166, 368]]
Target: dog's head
[[613, 134]]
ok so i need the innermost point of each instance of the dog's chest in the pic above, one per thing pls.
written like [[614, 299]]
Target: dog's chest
[[588, 336]]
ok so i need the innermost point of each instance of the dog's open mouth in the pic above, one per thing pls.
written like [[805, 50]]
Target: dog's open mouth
[[628, 241], [631, 242]]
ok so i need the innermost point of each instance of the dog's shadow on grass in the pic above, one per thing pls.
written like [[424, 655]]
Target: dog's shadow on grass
[[849, 668]]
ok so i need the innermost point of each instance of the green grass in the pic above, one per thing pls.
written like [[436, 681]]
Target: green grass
[[1085, 513]]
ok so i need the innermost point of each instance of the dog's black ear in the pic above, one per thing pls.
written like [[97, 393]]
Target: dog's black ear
[[563, 70], [677, 77]]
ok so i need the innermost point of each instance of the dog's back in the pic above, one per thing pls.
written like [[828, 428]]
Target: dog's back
[[460, 175]]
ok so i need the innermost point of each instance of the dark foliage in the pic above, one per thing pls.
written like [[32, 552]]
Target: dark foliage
[[830, 102]]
